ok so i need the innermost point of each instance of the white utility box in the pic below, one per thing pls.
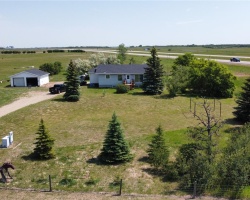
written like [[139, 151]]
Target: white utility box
[[11, 137], [5, 141]]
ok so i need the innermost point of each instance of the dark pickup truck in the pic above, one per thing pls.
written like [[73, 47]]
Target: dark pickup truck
[[57, 89]]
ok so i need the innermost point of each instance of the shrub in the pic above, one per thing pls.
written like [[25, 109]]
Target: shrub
[[73, 98], [121, 89]]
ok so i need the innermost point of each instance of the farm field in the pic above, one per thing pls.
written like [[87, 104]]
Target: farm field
[[79, 130]]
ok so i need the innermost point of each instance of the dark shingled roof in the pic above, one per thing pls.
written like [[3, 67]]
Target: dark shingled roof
[[37, 72], [119, 69]]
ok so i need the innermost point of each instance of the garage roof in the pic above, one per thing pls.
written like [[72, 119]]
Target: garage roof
[[35, 72]]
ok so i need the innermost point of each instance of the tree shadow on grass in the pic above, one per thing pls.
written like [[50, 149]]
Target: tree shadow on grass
[[97, 161], [150, 170], [32, 157], [233, 121], [166, 174], [59, 100], [139, 93], [143, 159], [163, 96]]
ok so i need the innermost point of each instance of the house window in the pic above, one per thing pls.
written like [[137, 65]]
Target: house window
[[138, 78], [119, 77], [107, 76]]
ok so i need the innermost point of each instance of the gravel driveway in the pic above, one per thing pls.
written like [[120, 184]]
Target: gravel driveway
[[31, 98]]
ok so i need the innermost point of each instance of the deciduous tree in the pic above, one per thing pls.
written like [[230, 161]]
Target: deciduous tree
[[196, 160], [122, 53], [211, 79], [52, 68]]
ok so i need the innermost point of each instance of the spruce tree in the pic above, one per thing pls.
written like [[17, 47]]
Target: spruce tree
[[115, 149], [44, 143], [72, 83], [153, 76], [242, 111], [158, 152]]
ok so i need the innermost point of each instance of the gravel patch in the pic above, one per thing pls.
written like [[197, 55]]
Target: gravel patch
[[30, 98]]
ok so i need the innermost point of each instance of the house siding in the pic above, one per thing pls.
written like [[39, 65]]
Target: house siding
[[111, 82], [98, 74], [93, 78]]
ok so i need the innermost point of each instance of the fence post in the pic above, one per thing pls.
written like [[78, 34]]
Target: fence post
[[50, 186], [194, 194], [120, 191], [190, 104]]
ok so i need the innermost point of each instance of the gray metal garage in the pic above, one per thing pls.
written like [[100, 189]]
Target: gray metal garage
[[19, 82], [29, 78]]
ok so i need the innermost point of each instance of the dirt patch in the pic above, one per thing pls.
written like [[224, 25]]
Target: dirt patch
[[241, 75]]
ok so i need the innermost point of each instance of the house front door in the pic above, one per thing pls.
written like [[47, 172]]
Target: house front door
[[128, 80]]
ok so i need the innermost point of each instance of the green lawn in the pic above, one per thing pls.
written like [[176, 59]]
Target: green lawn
[[79, 129]]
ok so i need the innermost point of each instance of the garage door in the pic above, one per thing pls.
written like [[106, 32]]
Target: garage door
[[18, 82]]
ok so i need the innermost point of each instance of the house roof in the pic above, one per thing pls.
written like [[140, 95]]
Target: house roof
[[36, 72], [119, 69]]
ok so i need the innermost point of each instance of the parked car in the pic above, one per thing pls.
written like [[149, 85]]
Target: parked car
[[57, 89], [235, 60]]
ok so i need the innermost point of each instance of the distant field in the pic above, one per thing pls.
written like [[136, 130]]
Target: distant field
[[14, 63]]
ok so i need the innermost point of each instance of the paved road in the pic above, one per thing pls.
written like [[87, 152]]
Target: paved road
[[175, 55]]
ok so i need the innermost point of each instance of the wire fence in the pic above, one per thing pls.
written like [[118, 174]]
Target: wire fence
[[76, 184]]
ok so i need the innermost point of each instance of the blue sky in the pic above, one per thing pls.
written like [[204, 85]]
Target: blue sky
[[110, 23]]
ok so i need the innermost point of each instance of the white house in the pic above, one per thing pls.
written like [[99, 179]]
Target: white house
[[32, 77], [112, 75]]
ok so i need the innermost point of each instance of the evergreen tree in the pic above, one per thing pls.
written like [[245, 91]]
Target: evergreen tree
[[44, 143], [115, 148], [72, 83], [158, 152], [242, 112], [153, 76]]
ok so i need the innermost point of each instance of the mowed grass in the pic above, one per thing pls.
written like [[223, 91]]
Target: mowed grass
[[79, 130]]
